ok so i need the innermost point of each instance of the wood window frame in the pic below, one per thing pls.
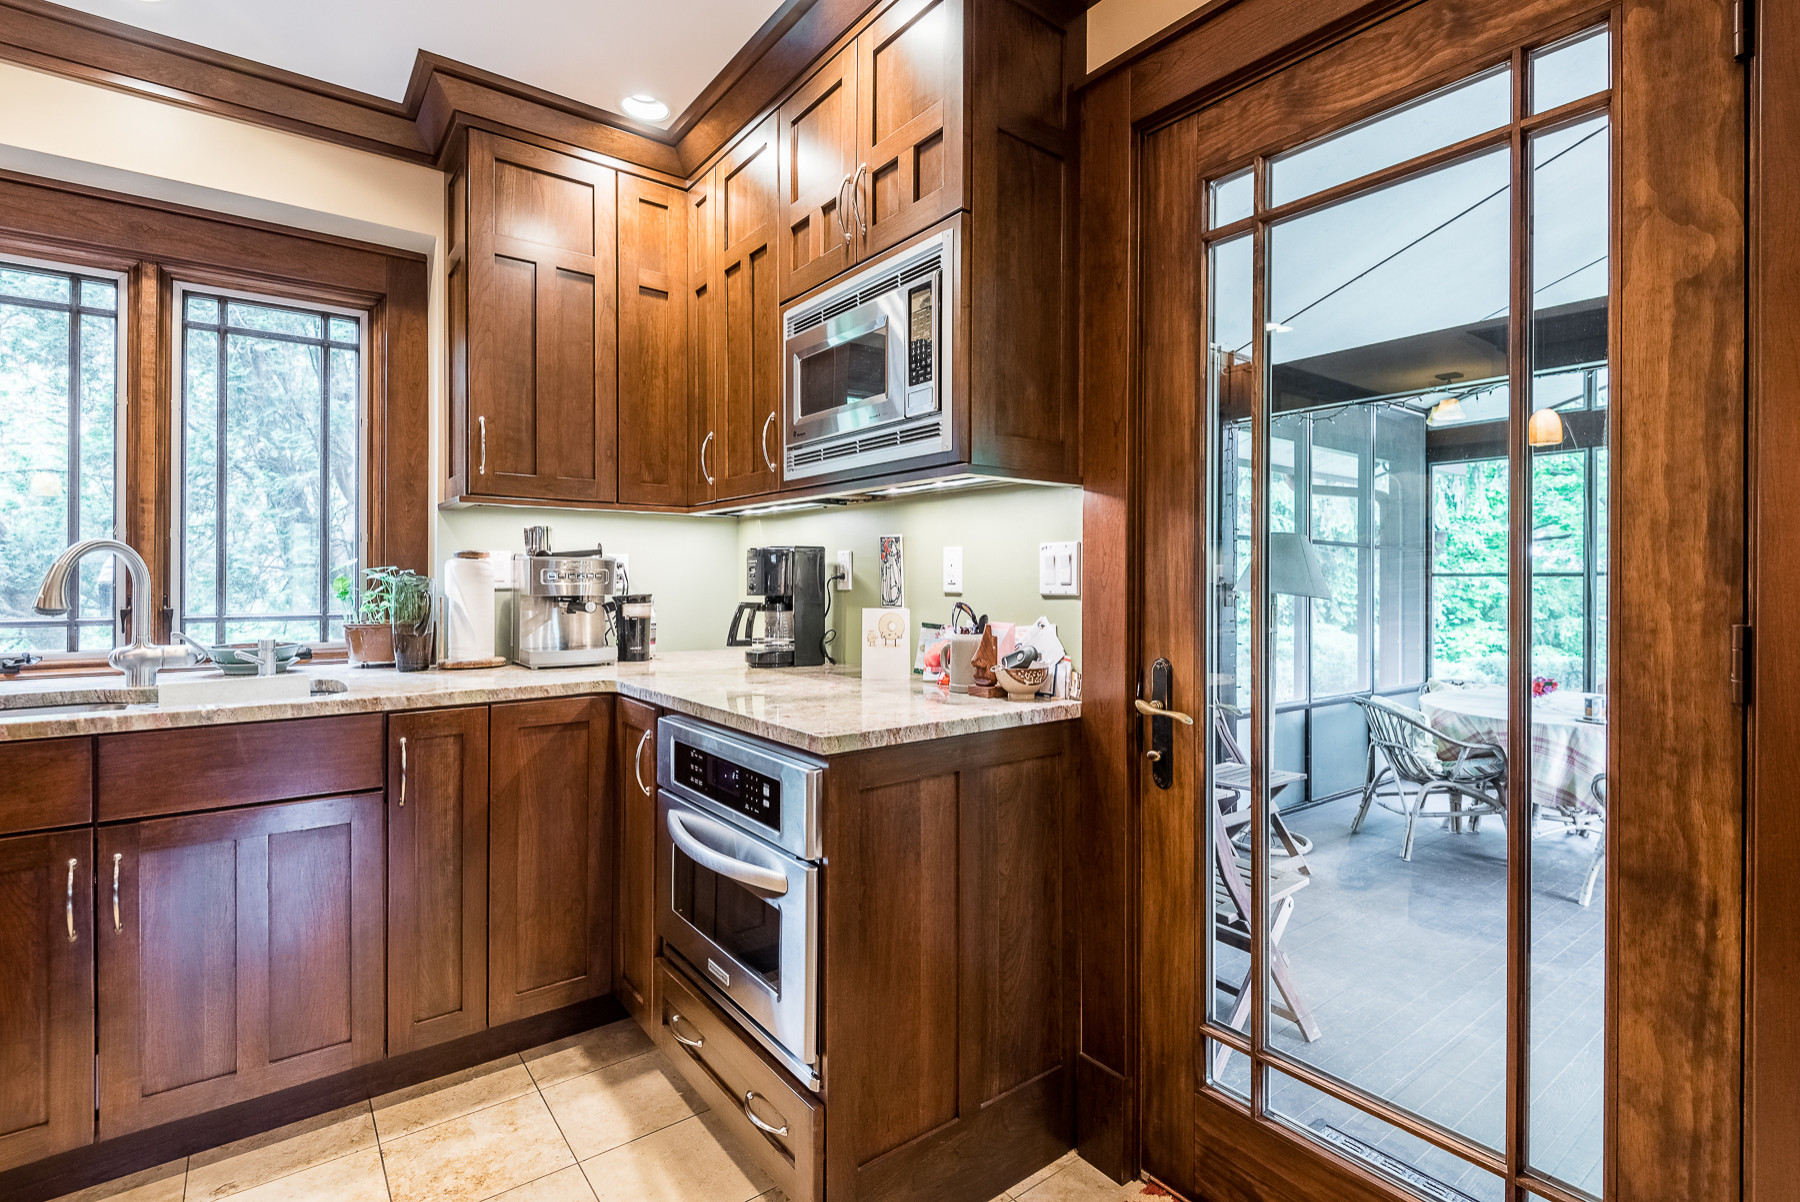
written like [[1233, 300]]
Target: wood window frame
[[156, 244]]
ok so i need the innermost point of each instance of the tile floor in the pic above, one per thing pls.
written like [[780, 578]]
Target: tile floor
[[599, 1117]]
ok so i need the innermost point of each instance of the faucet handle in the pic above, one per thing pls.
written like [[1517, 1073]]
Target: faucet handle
[[199, 650]]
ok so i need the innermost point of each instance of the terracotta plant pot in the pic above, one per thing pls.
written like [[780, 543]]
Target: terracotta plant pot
[[371, 643]]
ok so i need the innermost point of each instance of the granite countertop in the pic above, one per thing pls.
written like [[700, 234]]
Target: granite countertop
[[826, 711]]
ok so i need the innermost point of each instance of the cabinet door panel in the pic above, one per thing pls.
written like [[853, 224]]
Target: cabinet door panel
[[703, 331], [437, 876], [242, 956], [541, 343], [549, 879], [746, 414], [655, 467], [910, 120], [634, 971], [818, 161], [46, 995]]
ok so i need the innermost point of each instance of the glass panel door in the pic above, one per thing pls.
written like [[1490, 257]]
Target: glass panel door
[[1407, 498]]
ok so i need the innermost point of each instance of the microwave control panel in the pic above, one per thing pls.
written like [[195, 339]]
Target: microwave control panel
[[737, 788], [920, 344]]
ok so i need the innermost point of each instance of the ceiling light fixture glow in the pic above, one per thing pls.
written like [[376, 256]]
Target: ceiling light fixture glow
[[645, 108]]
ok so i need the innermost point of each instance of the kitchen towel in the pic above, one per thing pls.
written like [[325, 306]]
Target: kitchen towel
[[469, 587]]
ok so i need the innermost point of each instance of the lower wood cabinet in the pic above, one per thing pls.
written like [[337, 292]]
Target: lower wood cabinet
[[46, 994], [634, 975], [550, 826], [437, 882], [239, 954]]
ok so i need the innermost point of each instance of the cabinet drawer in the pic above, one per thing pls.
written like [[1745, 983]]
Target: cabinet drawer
[[145, 773], [46, 783], [726, 1068]]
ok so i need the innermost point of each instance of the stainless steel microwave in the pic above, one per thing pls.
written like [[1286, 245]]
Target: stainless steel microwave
[[867, 365]]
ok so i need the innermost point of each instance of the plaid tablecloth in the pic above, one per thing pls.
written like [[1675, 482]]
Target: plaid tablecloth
[[1567, 750]]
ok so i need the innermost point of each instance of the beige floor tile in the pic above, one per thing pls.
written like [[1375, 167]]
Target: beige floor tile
[[408, 1110], [620, 1103], [565, 1185], [353, 1178], [686, 1162], [590, 1050], [247, 1163], [1044, 1174], [164, 1183], [1080, 1181], [478, 1155]]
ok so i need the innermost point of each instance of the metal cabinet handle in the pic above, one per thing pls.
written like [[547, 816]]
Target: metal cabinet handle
[[118, 923], [69, 906], [1151, 709], [842, 207], [637, 763], [402, 771], [481, 423], [862, 218], [703, 446], [780, 1132], [698, 1042], [767, 422]]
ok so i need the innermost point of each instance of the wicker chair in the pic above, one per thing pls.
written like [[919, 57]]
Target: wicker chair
[[1470, 776]]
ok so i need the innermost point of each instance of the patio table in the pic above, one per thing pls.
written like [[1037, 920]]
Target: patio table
[[1567, 750]]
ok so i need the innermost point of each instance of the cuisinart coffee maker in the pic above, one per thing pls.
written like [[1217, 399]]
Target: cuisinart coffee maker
[[791, 583], [561, 607]]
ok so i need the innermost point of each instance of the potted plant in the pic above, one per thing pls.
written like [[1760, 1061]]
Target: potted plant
[[371, 636], [409, 606]]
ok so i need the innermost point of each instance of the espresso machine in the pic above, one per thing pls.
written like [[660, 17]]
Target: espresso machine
[[790, 582], [561, 605]]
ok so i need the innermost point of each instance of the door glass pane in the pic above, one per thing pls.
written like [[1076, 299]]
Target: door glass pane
[[1433, 122], [1227, 1071], [1571, 205], [1571, 69], [1231, 199], [1378, 1147], [1387, 924]]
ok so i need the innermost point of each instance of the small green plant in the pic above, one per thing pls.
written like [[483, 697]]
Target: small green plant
[[409, 597], [378, 592]]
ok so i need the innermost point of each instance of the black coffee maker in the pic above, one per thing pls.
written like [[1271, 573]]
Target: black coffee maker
[[790, 582]]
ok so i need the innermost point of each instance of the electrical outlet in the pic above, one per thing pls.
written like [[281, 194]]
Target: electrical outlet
[[843, 578], [1059, 569], [953, 585], [622, 566]]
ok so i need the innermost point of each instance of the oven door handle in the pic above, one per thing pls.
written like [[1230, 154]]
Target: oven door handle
[[754, 877]]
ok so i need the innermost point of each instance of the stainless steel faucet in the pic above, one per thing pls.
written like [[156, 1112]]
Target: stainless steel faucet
[[142, 659]]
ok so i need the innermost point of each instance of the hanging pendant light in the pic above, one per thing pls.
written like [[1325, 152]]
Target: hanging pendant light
[[1546, 429], [1447, 411]]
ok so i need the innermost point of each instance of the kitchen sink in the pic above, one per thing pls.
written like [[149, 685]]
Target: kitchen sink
[[60, 710], [200, 689]]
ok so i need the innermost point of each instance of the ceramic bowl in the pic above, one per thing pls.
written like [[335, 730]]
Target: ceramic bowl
[[1021, 684]]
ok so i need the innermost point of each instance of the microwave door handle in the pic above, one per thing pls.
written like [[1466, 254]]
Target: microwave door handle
[[839, 337], [757, 879]]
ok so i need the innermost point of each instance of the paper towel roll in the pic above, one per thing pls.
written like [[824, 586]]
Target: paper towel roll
[[469, 588]]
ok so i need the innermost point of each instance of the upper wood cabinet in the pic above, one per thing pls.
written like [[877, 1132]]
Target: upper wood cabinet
[[239, 954], [703, 347], [655, 455], [745, 401], [46, 994], [437, 844], [534, 323], [634, 970], [550, 883], [909, 121], [818, 170]]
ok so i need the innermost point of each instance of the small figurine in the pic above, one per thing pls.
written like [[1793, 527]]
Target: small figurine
[[987, 654]]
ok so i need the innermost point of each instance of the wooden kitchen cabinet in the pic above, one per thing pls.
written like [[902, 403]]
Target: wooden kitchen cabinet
[[46, 994], [239, 954], [437, 896], [818, 169], [550, 855], [655, 431], [634, 973], [533, 323], [745, 401], [702, 329]]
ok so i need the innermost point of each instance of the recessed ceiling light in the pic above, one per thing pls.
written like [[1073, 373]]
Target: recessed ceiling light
[[645, 108]]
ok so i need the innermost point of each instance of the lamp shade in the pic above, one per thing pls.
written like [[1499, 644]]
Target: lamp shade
[[1546, 429], [1293, 568]]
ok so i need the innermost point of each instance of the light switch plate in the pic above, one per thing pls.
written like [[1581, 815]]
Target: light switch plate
[[843, 580], [1059, 569], [953, 585]]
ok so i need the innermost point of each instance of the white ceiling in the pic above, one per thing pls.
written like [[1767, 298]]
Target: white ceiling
[[594, 51]]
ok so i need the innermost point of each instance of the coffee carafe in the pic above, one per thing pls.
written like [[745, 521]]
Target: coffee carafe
[[789, 584]]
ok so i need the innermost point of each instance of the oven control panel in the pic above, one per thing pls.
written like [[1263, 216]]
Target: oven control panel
[[741, 790]]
